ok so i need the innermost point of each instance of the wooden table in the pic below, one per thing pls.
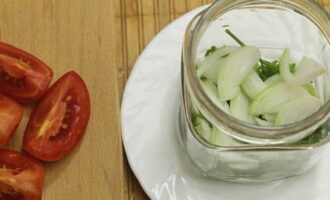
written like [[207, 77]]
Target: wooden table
[[101, 40]]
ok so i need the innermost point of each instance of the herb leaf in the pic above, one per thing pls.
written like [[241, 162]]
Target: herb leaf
[[267, 69], [210, 51], [231, 34], [316, 136], [293, 67], [225, 56]]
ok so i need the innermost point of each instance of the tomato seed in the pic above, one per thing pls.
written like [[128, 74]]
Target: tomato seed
[[68, 98]]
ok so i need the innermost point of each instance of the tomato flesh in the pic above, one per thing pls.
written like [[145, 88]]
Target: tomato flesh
[[11, 196], [11, 115], [21, 177], [58, 122], [22, 76]]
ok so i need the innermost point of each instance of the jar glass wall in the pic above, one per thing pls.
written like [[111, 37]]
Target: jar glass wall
[[272, 26]]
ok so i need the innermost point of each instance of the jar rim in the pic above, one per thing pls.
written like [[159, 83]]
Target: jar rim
[[239, 129]]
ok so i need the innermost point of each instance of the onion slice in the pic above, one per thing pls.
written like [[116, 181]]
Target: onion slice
[[269, 117], [203, 127], [297, 110], [271, 100], [274, 79], [239, 108], [253, 85], [262, 122], [222, 139], [212, 92], [307, 69], [209, 67], [311, 89], [236, 68]]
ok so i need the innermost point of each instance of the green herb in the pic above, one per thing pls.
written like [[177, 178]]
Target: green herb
[[316, 137], [210, 51], [231, 34], [225, 56], [195, 118], [267, 69], [293, 67]]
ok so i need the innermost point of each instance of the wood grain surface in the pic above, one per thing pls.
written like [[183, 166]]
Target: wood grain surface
[[75, 35], [100, 39]]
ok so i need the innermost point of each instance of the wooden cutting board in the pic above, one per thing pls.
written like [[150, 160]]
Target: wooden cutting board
[[74, 35], [99, 39]]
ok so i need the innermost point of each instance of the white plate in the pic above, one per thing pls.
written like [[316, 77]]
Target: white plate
[[149, 127]]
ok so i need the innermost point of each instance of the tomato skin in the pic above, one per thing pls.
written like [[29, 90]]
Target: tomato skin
[[27, 173], [58, 122], [11, 115], [33, 75]]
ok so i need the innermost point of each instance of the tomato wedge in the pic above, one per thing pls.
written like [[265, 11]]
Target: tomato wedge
[[23, 77], [11, 115], [58, 122], [21, 177]]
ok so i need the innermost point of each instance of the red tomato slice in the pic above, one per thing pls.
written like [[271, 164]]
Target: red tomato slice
[[21, 177], [23, 77], [58, 122], [10, 116]]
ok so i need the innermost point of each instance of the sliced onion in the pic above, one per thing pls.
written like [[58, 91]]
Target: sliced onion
[[239, 108], [221, 139], [274, 79], [311, 89], [236, 68], [212, 72], [209, 67], [271, 100], [211, 91], [253, 85], [269, 117], [297, 109], [308, 86], [307, 69], [262, 122], [203, 127]]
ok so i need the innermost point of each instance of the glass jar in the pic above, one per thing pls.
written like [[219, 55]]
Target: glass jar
[[266, 153]]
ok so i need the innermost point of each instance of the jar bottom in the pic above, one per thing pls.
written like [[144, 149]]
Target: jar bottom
[[244, 166]]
